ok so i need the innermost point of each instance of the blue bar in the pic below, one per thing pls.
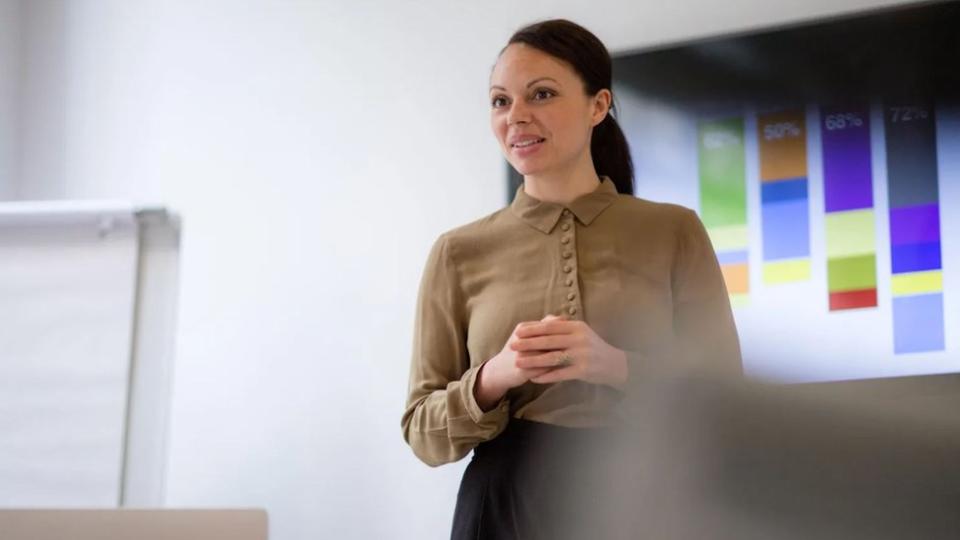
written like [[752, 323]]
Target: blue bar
[[918, 323], [732, 257], [786, 230], [783, 190], [915, 257]]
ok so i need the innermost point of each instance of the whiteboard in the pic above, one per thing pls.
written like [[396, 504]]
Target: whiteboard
[[69, 280]]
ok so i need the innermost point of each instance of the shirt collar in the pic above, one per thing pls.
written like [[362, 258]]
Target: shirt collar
[[543, 215]]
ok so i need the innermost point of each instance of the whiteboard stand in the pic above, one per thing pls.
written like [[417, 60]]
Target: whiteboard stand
[[151, 359]]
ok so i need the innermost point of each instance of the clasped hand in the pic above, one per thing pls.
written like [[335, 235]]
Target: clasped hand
[[540, 345]]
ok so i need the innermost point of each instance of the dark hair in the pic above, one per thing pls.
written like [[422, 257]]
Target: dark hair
[[589, 58]]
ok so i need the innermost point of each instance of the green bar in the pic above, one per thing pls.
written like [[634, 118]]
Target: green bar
[[852, 273], [739, 300], [723, 173]]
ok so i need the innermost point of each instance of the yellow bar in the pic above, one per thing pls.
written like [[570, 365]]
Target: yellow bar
[[850, 233], [917, 282], [729, 238], [786, 271]]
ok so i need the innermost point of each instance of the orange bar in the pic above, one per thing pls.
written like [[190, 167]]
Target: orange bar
[[783, 145], [737, 278]]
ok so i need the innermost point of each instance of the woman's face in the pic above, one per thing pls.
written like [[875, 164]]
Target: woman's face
[[540, 112]]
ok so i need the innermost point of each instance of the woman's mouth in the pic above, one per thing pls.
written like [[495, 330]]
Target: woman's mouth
[[526, 146]]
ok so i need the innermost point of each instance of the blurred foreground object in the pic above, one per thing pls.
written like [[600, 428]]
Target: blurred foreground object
[[712, 459]]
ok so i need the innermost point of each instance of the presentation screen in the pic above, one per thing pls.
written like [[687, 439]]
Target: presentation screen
[[824, 161]]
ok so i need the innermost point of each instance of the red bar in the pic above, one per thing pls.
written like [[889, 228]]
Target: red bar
[[853, 299]]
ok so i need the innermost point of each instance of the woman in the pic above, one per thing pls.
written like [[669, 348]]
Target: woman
[[534, 322]]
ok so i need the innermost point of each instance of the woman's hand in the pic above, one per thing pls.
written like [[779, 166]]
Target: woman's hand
[[503, 372], [544, 345]]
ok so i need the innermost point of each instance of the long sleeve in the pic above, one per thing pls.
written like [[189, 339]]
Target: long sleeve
[[442, 421], [706, 335]]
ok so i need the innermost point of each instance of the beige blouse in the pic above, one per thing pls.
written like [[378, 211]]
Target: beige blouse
[[642, 275]]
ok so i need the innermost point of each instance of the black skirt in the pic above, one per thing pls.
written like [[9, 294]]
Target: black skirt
[[534, 481]]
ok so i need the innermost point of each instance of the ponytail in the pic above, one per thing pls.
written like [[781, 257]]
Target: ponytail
[[611, 154]]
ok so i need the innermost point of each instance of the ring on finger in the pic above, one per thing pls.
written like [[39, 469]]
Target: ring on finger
[[564, 360]]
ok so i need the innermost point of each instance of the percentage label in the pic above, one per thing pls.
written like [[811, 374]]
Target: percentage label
[[908, 114], [781, 130], [720, 139], [843, 121]]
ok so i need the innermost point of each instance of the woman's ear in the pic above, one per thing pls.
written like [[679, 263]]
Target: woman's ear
[[601, 105]]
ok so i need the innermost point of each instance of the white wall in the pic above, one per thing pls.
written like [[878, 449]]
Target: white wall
[[315, 150], [9, 80]]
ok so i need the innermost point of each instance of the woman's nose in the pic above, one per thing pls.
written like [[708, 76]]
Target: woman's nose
[[518, 114]]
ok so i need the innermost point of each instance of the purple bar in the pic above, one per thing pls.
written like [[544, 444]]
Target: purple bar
[[847, 173], [915, 224]]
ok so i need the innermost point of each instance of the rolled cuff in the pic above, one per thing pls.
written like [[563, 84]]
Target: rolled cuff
[[493, 420]]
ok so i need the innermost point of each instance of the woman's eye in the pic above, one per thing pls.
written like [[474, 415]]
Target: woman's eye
[[499, 101], [543, 94]]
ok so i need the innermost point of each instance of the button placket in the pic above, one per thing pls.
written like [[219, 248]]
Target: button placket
[[568, 266]]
